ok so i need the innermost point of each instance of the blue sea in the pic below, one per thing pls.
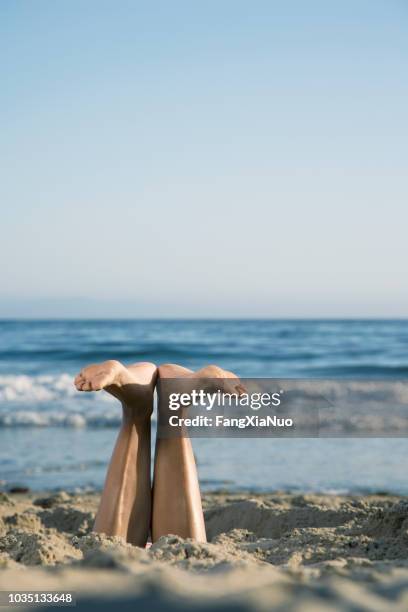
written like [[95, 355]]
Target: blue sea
[[53, 437]]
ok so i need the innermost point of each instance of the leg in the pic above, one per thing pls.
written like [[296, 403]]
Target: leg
[[176, 493], [125, 505]]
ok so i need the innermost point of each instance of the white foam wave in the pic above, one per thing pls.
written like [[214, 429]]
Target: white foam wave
[[21, 388], [52, 400], [32, 418]]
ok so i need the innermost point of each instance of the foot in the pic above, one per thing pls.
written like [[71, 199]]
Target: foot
[[133, 386], [211, 377], [175, 379]]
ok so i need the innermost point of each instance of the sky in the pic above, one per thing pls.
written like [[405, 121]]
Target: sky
[[203, 159]]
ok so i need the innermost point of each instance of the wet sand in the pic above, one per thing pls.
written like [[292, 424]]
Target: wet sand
[[269, 552]]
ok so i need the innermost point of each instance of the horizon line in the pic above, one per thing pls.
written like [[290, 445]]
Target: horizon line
[[200, 319]]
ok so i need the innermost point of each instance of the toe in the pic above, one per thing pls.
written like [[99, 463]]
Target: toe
[[232, 383], [241, 389]]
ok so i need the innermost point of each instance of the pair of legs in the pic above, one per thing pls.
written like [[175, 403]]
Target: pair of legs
[[129, 506]]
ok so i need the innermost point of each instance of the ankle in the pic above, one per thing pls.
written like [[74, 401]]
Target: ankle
[[132, 415]]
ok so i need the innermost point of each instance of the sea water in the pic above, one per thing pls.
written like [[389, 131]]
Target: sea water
[[53, 437]]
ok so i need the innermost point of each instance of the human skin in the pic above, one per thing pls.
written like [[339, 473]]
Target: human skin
[[129, 507], [176, 493], [125, 506]]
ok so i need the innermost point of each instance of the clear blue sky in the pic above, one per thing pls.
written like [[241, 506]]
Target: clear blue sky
[[204, 158]]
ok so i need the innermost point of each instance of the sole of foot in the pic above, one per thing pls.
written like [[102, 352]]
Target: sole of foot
[[131, 385]]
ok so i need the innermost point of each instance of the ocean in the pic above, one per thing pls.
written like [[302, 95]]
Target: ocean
[[53, 437]]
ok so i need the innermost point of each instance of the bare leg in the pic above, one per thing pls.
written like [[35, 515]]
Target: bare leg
[[177, 505], [125, 506]]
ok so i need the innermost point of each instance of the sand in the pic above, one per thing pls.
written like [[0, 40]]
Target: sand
[[265, 552]]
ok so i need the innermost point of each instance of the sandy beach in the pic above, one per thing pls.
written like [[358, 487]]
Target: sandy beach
[[273, 551]]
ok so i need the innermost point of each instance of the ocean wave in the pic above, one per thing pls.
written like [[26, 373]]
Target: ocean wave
[[34, 418], [95, 352], [354, 370], [52, 400], [45, 388]]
